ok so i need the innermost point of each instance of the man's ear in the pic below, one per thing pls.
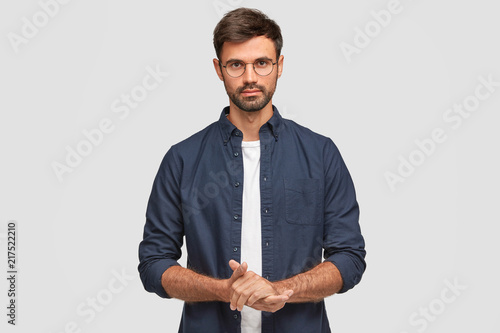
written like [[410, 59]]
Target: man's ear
[[218, 69], [280, 65]]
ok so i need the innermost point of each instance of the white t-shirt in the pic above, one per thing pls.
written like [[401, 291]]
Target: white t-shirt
[[251, 243]]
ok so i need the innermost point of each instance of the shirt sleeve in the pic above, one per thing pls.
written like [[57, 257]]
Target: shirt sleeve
[[344, 245], [164, 227]]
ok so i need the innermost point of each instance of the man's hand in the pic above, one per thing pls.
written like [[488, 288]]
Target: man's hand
[[272, 303], [238, 271], [248, 288]]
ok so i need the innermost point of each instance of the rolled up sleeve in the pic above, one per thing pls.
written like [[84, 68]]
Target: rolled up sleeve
[[164, 229], [343, 242]]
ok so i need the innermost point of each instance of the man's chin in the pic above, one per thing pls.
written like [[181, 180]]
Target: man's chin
[[249, 105], [251, 108]]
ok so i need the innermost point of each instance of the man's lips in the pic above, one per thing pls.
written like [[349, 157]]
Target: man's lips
[[250, 92]]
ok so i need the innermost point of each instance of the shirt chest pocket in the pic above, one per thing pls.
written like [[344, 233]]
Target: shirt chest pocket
[[302, 201]]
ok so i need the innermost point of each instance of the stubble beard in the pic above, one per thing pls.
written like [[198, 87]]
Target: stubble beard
[[252, 103]]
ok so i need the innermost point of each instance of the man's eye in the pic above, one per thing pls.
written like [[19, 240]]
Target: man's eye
[[261, 63], [236, 65]]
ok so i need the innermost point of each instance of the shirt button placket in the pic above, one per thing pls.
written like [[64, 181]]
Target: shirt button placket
[[237, 173]]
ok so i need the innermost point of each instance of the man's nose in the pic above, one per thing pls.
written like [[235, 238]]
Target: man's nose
[[249, 76]]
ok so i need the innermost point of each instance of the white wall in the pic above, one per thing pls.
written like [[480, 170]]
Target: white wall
[[434, 227]]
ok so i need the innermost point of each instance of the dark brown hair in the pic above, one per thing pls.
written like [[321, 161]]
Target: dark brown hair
[[242, 24]]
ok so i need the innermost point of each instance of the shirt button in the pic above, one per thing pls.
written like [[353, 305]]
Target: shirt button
[[267, 243], [266, 210], [237, 133], [235, 316], [267, 277], [265, 179], [235, 217], [236, 154], [235, 249], [236, 184]]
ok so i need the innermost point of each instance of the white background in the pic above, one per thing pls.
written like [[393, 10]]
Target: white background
[[440, 224]]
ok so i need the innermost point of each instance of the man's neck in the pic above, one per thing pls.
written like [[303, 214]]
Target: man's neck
[[249, 122]]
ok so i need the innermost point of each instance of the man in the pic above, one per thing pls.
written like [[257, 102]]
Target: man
[[256, 189]]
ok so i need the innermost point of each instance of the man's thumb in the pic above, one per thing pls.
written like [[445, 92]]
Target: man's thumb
[[233, 264]]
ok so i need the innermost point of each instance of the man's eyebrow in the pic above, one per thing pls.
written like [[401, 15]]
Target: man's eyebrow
[[239, 60]]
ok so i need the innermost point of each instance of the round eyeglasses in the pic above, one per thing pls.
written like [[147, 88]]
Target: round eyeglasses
[[262, 67]]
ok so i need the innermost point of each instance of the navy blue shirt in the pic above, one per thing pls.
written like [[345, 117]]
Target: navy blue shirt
[[308, 211]]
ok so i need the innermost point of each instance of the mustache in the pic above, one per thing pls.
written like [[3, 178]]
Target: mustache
[[250, 87]]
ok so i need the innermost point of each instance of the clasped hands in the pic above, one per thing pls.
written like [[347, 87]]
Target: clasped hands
[[248, 288]]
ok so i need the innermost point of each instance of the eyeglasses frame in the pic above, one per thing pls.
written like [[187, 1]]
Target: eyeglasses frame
[[246, 63]]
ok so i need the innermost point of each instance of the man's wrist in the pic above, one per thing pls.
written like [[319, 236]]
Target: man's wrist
[[282, 286], [222, 290]]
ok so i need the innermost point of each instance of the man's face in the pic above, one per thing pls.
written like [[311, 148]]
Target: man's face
[[250, 92]]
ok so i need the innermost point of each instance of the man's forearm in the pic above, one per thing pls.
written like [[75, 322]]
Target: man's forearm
[[187, 285], [314, 285]]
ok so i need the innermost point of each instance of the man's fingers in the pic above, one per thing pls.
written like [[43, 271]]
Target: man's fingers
[[243, 288], [275, 299], [261, 293], [240, 297], [238, 300], [247, 288], [271, 303], [241, 301], [271, 300], [238, 270], [233, 264]]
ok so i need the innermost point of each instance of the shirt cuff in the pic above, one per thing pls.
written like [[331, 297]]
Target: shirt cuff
[[350, 268], [151, 276]]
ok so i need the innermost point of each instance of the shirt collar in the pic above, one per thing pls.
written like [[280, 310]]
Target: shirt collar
[[228, 127]]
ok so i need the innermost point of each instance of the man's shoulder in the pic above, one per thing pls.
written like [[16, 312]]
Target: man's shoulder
[[304, 133], [198, 138]]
